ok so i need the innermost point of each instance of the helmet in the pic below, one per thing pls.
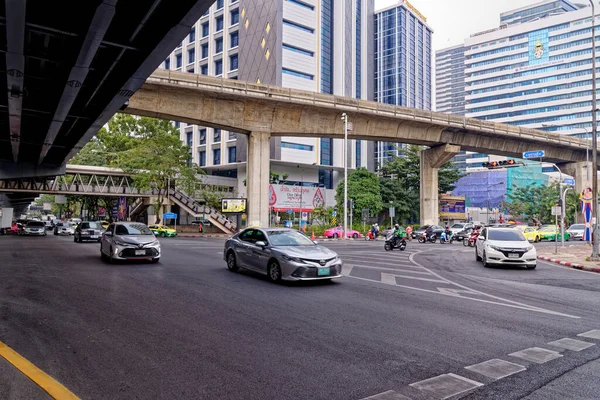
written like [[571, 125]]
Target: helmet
[[396, 226]]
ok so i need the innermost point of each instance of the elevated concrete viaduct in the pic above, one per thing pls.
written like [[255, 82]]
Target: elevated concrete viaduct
[[263, 111]]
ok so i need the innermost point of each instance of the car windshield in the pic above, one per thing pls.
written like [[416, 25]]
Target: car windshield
[[35, 224], [506, 235], [577, 226], [90, 225], [289, 238], [458, 226], [133, 229]]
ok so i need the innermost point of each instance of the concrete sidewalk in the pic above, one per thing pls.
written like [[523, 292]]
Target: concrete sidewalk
[[573, 256]]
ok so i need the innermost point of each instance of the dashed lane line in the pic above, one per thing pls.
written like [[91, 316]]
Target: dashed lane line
[[391, 278], [593, 334], [39, 377], [446, 385], [389, 395], [536, 355], [496, 368], [408, 271], [571, 344]]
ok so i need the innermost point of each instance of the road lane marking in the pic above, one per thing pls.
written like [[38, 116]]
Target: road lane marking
[[593, 334], [571, 344], [496, 368], [389, 395], [346, 269], [392, 277], [446, 386], [597, 275], [39, 377], [537, 355], [408, 271]]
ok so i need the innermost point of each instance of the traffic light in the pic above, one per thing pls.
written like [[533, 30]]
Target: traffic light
[[501, 164]]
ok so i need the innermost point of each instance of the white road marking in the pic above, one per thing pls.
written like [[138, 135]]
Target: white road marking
[[537, 355], [496, 368], [593, 334], [446, 386], [409, 271], [346, 269], [386, 278], [572, 344], [389, 395], [597, 275]]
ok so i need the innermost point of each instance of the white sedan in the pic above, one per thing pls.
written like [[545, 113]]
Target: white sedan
[[505, 246]]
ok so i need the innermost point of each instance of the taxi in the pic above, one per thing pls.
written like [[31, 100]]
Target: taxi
[[530, 233], [162, 231], [551, 233]]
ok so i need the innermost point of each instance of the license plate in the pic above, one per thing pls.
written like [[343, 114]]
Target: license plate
[[323, 271], [94, 236], [513, 255], [140, 252]]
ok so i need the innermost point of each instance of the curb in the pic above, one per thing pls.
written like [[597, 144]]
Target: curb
[[570, 264]]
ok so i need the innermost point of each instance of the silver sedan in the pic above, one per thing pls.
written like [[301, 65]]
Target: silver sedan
[[281, 254]]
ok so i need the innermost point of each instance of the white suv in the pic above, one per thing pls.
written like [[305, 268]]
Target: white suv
[[505, 246]]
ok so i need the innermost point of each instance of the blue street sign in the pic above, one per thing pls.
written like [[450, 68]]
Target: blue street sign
[[334, 214], [570, 182], [534, 154], [290, 211], [169, 215]]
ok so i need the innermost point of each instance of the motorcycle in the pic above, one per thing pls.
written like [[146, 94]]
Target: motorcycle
[[423, 238], [370, 236], [392, 242], [471, 240], [446, 238]]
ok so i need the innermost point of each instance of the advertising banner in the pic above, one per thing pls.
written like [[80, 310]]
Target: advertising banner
[[122, 208], [452, 207], [233, 205], [287, 197]]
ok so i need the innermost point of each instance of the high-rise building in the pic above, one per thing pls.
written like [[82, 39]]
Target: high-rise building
[[320, 45], [450, 80], [402, 64], [535, 11]]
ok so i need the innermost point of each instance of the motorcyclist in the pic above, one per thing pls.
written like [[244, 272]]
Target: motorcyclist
[[397, 234], [428, 232], [447, 233]]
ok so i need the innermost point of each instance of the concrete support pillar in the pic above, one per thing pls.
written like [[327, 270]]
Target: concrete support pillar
[[431, 160], [578, 170], [257, 178]]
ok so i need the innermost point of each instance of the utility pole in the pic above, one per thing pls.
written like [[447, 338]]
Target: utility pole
[[345, 119], [594, 143]]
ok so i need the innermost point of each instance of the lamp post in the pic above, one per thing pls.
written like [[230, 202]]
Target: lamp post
[[345, 119], [302, 191], [594, 142]]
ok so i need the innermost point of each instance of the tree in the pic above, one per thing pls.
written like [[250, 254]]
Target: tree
[[536, 201], [157, 160], [364, 189]]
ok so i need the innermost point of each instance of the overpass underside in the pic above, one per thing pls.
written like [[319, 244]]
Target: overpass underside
[[263, 111]]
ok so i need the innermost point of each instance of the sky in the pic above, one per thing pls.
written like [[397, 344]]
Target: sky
[[454, 20]]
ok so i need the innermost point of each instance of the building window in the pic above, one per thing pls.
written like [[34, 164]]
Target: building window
[[232, 135], [233, 62], [192, 35], [296, 146], [191, 69], [327, 46], [202, 156], [220, 4], [219, 21], [297, 74], [298, 50], [205, 29], [325, 178], [301, 4], [218, 67], [178, 60], [217, 135], [216, 156], [358, 154], [233, 40], [298, 26], [232, 154], [204, 69], [218, 45], [204, 50], [189, 138], [191, 55], [202, 136], [168, 63], [177, 124], [235, 16], [234, 1]]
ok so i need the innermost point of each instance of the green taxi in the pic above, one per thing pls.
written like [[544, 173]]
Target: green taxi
[[163, 231]]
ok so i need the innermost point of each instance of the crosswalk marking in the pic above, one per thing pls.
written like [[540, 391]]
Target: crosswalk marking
[[405, 270], [385, 278]]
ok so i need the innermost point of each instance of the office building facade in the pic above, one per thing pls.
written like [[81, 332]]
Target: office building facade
[[450, 80], [403, 66], [537, 11], [319, 45]]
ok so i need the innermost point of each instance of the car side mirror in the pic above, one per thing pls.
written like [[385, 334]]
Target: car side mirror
[[482, 238], [108, 233], [260, 243]]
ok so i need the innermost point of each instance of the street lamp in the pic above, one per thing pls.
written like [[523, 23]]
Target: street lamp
[[345, 119], [594, 142], [302, 189]]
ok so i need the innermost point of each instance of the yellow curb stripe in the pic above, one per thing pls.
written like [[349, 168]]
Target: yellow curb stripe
[[43, 380]]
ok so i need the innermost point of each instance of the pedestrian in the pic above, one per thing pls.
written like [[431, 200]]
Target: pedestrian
[[409, 230], [200, 227]]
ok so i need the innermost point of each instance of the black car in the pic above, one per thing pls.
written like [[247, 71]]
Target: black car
[[436, 229], [465, 233], [88, 230]]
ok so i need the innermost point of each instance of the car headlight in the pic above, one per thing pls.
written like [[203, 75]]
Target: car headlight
[[153, 243], [294, 259], [528, 248], [119, 243], [495, 248]]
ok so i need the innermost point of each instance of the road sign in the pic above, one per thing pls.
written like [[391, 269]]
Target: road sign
[[534, 154], [556, 210], [365, 214], [334, 214], [169, 215], [392, 212], [289, 212], [570, 182], [304, 215]]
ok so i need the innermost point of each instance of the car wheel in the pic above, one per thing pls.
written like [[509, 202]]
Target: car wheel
[[162, 234], [111, 259], [155, 260], [484, 260], [335, 236], [355, 236], [274, 272], [531, 266], [75, 239], [465, 242], [477, 258], [232, 262]]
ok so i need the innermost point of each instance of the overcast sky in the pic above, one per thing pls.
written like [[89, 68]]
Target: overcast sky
[[454, 20]]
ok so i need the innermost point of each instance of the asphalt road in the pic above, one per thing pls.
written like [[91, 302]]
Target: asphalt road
[[188, 328]]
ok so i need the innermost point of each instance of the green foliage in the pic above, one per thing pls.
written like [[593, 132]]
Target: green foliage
[[536, 201], [364, 189]]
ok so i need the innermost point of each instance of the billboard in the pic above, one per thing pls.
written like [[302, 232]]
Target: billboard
[[233, 205], [287, 197], [452, 207]]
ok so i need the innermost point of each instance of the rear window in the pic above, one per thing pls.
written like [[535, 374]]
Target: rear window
[[507, 236], [458, 226]]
